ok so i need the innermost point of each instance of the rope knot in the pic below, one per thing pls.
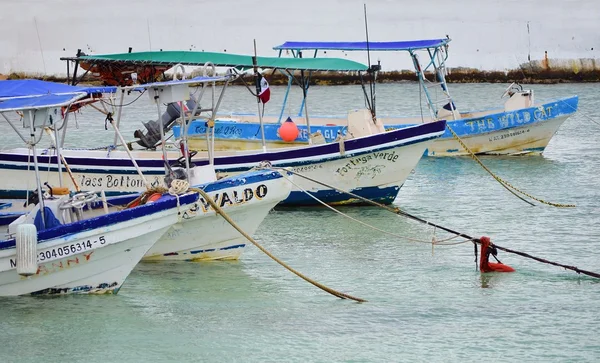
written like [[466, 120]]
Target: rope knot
[[178, 186]]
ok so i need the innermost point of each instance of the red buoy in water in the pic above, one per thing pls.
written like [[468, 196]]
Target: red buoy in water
[[484, 264], [288, 131]]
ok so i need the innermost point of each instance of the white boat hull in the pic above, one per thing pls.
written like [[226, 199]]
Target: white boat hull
[[373, 166], [532, 138], [205, 235], [376, 175], [81, 263]]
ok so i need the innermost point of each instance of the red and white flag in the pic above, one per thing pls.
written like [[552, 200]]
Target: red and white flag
[[265, 93]]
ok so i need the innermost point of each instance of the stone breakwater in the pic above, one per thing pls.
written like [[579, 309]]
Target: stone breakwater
[[544, 71]]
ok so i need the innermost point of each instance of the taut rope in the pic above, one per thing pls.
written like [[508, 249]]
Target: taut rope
[[220, 211], [398, 211]]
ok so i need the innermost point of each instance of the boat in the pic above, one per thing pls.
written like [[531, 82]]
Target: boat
[[521, 125], [61, 245], [371, 163], [201, 234]]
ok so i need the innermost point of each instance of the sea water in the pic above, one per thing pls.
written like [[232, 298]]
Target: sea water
[[424, 304]]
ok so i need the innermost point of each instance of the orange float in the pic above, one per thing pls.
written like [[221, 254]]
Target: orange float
[[288, 131], [154, 197], [484, 264]]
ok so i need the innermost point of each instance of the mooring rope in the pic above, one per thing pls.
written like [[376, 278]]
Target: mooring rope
[[582, 113], [398, 211], [220, 211], [436, 242], [503, 182]]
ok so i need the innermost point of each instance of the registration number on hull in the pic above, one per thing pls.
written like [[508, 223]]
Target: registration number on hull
[[68, 250]]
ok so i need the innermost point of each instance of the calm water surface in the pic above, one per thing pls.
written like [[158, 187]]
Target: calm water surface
[[424, 305]]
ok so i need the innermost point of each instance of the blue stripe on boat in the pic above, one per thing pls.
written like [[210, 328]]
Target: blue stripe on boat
[[162, 204], [232, 247], [381, 195], [370, 142], [201, 251], [273, 156]]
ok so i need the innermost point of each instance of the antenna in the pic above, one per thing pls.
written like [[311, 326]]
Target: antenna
[[149, 39], [529, 43], [367, 35], [40, 43], [371, 70]]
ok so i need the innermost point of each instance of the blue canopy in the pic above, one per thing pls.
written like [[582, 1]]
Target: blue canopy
[[374, 46], [37, 102], [34, 87]]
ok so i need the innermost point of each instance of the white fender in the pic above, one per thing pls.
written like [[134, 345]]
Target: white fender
[[26, 243]]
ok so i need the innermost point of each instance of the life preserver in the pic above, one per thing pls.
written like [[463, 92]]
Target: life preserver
[[484, 264], [153, 198]]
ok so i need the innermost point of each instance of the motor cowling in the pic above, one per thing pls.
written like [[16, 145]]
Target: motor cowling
[[151, 137], [174, 174]]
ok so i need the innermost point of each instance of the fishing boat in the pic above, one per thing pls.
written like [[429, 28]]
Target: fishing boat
[[371, 162], [61, 245], [201, 234], [521, 125]]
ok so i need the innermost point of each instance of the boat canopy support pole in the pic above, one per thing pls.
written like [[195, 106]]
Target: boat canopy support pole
[[437, 61], [15, 128], [285, 97], [64, 132], [184, 140], [213, 116], [57, 145], [68, 72], [36, 167], [304, 91], [362, 84], [162, 132], [84, 74], [440, 71], [135, 164], [421, 77], [74, 78], [305, 84], [257, 83], [119, 118]]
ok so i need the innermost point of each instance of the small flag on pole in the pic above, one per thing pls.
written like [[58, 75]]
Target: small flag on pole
[[265, 93]]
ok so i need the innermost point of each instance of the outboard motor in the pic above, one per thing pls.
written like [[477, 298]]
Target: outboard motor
[[152, 135], [178, 173]]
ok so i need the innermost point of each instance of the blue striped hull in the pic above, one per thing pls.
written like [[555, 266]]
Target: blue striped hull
[[384, 195]]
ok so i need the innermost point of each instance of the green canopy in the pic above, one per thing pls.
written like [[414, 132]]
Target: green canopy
[[171, 58]]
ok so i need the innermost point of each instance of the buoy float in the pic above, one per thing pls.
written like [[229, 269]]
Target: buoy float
[[26, 249], [288, 131], [59, 190], [484, 264]]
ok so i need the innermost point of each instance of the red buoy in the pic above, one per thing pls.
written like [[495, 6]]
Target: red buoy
[[484, 264], [288, 131]]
